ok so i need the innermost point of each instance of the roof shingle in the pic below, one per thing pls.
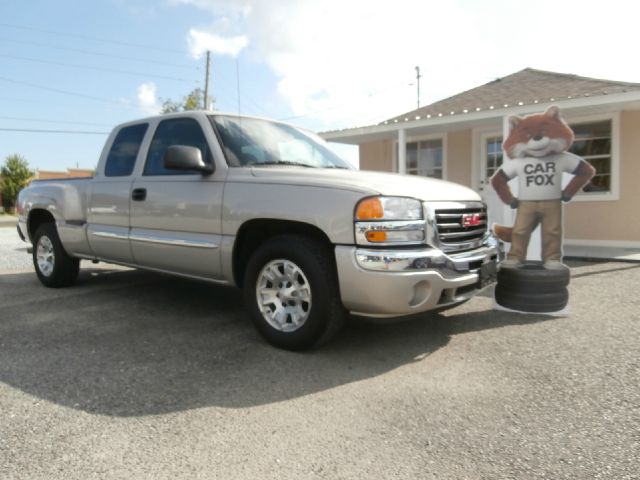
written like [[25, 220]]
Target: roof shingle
[[526, 87]]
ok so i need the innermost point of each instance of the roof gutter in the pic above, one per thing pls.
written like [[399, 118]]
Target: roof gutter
[[389, 130]]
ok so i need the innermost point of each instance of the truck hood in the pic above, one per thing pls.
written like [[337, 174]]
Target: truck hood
[[370, 183]]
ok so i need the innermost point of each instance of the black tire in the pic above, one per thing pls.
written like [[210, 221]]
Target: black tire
[[309, 266], [531, 278], [55, 267], [535, 302]]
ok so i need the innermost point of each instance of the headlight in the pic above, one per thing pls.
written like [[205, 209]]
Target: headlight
[[389, 221], [389, 208]]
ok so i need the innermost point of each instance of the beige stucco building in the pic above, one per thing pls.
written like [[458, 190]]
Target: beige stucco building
[[70, 173], [459, 139], [51, 174]]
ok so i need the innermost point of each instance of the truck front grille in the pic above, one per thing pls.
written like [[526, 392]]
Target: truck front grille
[[460, 226]]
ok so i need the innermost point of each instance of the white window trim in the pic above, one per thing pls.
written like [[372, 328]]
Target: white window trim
[[478, 146], [481, 134], [419, 138], [614, 194]]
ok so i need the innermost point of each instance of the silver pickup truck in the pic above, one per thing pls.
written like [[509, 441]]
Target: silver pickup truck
[[266, 207]]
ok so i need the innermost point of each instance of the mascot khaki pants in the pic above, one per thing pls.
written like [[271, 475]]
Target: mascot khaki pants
[[529, 215]]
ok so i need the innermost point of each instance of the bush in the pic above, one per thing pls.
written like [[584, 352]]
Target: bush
[[14, 176]]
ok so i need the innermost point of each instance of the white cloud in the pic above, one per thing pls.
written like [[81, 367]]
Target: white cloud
[[147, 99], [199, 42], [348, 61], [351, 62]]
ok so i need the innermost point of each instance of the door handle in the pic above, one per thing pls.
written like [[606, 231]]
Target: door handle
[[139, 194]]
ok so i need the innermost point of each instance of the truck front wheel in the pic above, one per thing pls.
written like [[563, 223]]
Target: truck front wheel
[[291, 290], [54, 267]]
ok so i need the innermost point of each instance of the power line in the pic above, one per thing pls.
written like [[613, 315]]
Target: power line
[[233, 82], [344, 105], [232, 85], [44, 120], [64, 92], [33, 130], [95, 39], [101, 54], [100, 69]]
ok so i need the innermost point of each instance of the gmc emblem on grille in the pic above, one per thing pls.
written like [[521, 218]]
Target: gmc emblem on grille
[[470, 219]]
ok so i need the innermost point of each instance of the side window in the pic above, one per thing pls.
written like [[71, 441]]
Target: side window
[[178, 131], [124, 151]]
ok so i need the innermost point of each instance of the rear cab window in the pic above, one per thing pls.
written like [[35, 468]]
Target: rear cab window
[[124, 151]]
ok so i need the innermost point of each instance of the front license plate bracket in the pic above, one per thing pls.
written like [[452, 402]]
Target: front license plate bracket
[[487, 274]]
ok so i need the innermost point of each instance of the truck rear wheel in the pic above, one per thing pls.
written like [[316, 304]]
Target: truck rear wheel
[[291, 290], [54, 267]]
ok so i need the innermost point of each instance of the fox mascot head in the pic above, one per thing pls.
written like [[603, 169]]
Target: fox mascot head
[[538, 135]]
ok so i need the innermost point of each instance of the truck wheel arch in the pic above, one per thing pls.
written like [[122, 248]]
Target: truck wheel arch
[[54, 267], [38, 217], [291, 292], [257, 231]]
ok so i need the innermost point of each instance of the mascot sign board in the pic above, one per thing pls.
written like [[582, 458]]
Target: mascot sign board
[[537, 146]]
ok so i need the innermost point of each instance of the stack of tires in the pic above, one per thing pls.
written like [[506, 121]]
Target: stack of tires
[[532, 288]]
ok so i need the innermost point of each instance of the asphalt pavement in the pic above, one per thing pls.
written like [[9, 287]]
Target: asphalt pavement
[[132, 375]]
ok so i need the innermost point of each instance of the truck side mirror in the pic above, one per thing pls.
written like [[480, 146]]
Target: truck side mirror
[[183, 157]]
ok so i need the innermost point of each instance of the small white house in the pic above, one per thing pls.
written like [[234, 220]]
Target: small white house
[[460, 139]]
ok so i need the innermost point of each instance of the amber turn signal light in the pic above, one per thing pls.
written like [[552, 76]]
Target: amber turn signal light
[[370, 209], [376, 236]]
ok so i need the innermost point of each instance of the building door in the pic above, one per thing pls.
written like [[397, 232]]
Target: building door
[[491, 158]]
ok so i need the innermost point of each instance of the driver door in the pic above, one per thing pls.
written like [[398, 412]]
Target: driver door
[[176, 215]]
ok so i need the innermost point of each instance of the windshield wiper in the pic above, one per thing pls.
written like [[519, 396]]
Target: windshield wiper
[[295, 164]]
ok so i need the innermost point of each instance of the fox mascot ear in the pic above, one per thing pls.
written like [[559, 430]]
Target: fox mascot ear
[[553, 112], [514, 122]]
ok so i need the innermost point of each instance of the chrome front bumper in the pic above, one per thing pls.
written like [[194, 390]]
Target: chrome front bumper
[[389, 283]]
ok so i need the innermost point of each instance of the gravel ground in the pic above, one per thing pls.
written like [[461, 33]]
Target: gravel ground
[[130, 375], [13, 251]]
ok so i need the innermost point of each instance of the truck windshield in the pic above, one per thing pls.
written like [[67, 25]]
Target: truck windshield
[[255, 142]]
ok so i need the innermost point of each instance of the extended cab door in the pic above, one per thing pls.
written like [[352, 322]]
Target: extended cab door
[[176, 215], [109, 202]]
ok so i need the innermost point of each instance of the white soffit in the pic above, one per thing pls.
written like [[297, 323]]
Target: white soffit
[[571, 107]]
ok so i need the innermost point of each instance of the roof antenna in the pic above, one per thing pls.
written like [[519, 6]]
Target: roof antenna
[[206, 82], [238, 82], [418, 77]]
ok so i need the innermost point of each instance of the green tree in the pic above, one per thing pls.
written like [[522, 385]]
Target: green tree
[[193, 101], [14, 176]]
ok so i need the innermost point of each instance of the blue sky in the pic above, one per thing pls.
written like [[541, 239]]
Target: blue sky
[[85, 66]]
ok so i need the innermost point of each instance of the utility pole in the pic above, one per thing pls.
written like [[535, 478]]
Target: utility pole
[[418, 77], [206, 81]]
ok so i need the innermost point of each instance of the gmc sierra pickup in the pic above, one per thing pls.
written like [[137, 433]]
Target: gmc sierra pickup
[[266, 207]]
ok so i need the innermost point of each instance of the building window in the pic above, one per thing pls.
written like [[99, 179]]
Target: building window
[[593, 143], [424, 158], [493, 155]]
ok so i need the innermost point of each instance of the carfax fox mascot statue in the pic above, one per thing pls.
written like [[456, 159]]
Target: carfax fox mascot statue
[[537, 146]]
